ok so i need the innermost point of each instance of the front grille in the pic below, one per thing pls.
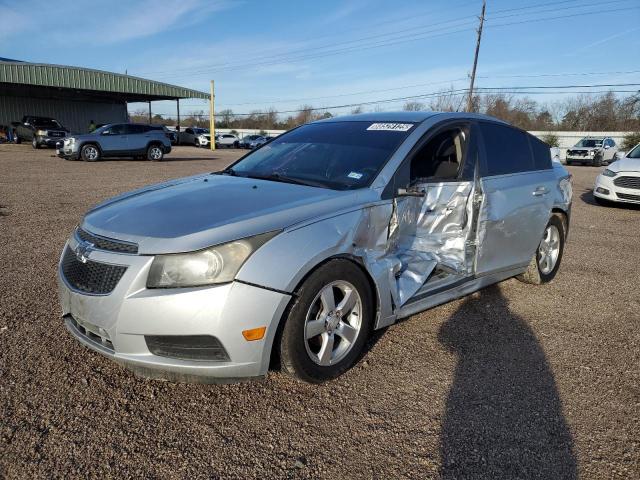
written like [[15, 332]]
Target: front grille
[[56, 134], [190, 347], [577, 153], [627, 182], [90, 277], [109, 244], [627, 196]]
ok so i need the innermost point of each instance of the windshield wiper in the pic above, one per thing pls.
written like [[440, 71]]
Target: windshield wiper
[[227, 171], [277, 177]]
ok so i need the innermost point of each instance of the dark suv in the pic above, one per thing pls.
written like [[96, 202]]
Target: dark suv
[[40, 131], [118, 140]]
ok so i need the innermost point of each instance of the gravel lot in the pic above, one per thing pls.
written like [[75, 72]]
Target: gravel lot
[[515, 381]]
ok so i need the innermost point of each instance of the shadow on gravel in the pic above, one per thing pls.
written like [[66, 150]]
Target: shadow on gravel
[[503, 416], [588, 198]]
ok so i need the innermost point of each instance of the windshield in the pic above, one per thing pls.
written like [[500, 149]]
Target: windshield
[[46, 123], [635, 153], [589, 143], [336, 155], [200, 131]]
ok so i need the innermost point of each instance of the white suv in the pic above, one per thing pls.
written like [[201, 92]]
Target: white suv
[[227, 140]]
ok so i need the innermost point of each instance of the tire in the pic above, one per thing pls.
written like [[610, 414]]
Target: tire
[[155, 153], [90, 153], [597, 161], [340, 337], [34, 143], [568, 162], [536, 273], [18, 140]]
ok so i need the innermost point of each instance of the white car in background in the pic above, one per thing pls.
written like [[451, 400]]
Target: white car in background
[[620, 181], [227, 140], [595, 151], [189, 136]]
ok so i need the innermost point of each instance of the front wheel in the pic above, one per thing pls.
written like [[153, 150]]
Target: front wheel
[[155, 153], [546, 262], [328, 324], [34, 143], [90, 153]]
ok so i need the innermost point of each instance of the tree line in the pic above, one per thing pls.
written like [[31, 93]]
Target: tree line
[[605, 112]]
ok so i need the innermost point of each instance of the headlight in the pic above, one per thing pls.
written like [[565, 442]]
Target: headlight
[[592, 153], [609, 173], [210, 266], [41, 133]]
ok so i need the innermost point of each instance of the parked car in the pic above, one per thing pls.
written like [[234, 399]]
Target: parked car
[[204, 139], [189, 136], [303, 247], [118, 140], [40, 131], [246, 140], [620, 181], [258, 142], [173, 134], [594, 151], [227, 140]]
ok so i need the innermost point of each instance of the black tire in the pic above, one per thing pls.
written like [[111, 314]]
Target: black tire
[[18, 140], [155, 153], [568, 162], [90, 153], [534, 273], [295, 356], [34, 143], [597, 161]]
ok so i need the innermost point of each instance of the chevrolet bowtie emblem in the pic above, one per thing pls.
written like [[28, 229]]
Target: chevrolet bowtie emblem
[[83, 250]]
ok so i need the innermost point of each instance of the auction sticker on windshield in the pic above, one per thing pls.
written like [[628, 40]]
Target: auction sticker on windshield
[[393, 127]]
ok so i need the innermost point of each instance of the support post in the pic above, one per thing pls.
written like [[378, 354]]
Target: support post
[[475, 58], [178, 109], [149, 112], [212, 119]]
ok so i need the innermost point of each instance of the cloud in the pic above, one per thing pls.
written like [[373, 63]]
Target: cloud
[[105, 23]]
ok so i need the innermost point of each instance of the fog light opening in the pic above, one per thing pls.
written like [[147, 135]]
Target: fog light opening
[[604, 191], [254, 334]]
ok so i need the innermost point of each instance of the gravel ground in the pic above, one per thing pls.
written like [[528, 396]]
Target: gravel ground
[[515, 381]]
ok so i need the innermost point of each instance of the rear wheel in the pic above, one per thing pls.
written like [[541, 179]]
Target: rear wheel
[[546, 262], [155, 153], [328, 324], [90, 153]]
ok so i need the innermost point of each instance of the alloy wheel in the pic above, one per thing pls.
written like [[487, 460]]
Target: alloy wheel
[[549, 249], [333, 323]]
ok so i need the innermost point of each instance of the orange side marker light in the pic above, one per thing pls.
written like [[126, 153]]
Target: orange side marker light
[[254, 334]]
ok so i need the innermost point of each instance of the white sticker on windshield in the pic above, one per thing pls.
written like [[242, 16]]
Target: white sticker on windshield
[[392, 127], [355, 175]]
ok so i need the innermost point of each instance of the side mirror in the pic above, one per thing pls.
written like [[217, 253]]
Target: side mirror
[[411, 192]]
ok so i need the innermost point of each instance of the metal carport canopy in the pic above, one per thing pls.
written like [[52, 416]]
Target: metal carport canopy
[[123, 87]]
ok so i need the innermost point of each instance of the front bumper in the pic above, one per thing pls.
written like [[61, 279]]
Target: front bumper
[[119, 322], [605, 188], [49, 141]]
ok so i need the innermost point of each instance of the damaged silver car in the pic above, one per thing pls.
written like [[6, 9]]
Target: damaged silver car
[[303, 247]]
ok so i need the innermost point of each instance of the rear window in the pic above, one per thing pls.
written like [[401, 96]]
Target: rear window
[[541, 153], [507, 149], [337, 155]]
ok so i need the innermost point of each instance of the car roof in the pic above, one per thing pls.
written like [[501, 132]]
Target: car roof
[[413, 117]]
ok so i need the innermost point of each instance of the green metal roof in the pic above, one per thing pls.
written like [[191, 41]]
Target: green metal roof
[[61, 76]]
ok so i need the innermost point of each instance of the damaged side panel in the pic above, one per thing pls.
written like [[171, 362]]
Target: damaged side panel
[[399, 242]]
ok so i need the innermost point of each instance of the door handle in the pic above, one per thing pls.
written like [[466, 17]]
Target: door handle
[[539, 191]]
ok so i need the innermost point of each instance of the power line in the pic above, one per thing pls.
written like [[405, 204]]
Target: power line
[[398, 39]]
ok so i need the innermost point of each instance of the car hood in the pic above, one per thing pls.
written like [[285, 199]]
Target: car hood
[[625, 164], [197, 212]]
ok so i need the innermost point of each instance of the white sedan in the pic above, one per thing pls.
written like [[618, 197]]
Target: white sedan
[[620, 181]]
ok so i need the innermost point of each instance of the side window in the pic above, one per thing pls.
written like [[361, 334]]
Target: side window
[[188, 130], [442, 157], [541, 153], [507, 149], [118, 129], [135, 129]]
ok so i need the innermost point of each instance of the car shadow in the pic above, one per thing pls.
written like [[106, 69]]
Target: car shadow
[[588, 198], [503, 416]]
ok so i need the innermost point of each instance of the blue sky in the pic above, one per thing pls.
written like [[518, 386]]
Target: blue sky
[[284, 54]]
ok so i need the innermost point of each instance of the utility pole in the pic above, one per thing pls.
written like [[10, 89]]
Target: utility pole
[[212, 118], [475, 59]]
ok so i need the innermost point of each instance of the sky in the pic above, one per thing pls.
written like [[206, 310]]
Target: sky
[[284, 54]]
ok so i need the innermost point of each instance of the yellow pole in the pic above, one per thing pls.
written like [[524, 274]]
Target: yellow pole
[[212, 119]]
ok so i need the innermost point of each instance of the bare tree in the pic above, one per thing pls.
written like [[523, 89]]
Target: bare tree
[[413, 106]]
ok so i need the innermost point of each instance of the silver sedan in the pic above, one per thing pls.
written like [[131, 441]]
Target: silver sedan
[[305, 246]]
